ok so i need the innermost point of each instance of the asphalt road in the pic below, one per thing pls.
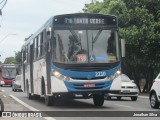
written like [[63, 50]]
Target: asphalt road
[[79, 106]]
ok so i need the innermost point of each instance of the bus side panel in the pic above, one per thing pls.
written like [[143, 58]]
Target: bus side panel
[[58, 85], [39, 71], [27, 76], [22, 79]]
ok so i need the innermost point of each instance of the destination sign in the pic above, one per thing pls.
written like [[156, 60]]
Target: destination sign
[[85, 19], [9, 66]]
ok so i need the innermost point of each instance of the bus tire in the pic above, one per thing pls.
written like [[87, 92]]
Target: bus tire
[[28, 94], [36, 97], [98, 99], [49, 100]]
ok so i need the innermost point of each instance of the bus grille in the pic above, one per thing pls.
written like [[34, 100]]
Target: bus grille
[[81, 86]]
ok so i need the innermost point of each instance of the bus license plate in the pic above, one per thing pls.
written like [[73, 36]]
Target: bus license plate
[[89, 85]]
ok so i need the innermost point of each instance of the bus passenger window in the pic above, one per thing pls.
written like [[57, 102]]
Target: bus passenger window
[[26, 54], [24, 57], [41, 45], [36, 40], [33, 49]]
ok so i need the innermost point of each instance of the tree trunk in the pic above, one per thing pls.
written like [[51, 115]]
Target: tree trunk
[[145, 88]]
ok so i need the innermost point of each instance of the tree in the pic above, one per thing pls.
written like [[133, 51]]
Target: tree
[[13, 60], [18, 57], [139, 23], [9, 60]]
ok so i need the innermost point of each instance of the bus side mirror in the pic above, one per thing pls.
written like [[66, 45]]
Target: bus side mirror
[[123, 47]]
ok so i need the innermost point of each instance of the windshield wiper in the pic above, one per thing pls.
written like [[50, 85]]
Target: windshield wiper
[[97, 36]]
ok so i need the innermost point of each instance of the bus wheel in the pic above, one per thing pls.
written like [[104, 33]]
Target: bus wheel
[[98, 99], [29, 94], [49, 101]]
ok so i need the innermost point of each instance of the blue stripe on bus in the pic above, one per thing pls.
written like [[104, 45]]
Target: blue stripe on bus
[[80, 86], [79, 74]]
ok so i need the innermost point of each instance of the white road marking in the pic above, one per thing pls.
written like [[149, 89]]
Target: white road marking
[[30, 107], [123, 106], [49, 118], [147, 97]]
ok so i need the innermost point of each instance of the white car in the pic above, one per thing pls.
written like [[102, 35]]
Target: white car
[[128, 89], [16, 83], [154, 95]]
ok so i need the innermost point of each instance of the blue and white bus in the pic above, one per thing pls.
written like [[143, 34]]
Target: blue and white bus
[[73, 55]]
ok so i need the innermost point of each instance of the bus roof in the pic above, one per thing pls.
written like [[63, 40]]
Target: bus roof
[[49, 21]]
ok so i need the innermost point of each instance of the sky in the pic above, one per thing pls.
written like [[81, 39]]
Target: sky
[[21, 18]]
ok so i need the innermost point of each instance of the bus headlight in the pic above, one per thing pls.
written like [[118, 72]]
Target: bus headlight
[[60, 76], [115, 75], [56, 74]]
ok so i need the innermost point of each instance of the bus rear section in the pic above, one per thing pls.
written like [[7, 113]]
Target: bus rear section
[[7, 74]]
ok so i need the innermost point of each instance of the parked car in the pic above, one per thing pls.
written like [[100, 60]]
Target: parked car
[[128, 89], [16, 83], [154, 95]]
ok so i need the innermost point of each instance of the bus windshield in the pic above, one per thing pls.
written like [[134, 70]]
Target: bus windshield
[[85, 46], [9, 73]]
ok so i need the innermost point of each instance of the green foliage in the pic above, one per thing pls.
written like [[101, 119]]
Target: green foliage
[[9, 60], [18, 57], [13, 60], [93, 7], [139, 22]]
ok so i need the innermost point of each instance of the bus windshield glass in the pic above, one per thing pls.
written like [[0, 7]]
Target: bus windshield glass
[[85, 46], [9, 73]]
